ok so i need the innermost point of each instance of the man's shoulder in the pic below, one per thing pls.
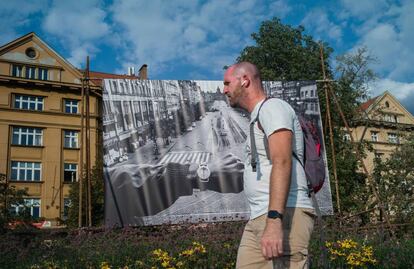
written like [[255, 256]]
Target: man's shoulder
[[277, 105]]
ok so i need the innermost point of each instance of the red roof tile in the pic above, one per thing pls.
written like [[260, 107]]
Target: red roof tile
[[366, 105]]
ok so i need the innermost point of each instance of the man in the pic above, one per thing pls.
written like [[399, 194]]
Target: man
[[282, 218]]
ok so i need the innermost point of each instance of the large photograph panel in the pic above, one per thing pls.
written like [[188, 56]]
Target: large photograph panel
[[173, 150]]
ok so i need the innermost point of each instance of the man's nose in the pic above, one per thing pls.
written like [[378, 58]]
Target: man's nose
[[225, 90]]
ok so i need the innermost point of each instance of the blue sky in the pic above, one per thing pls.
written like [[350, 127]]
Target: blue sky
[[190, 39]]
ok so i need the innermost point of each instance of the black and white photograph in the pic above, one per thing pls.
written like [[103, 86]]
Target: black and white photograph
[[174, 149]]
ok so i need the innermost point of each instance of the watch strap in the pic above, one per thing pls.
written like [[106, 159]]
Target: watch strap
[[274, 214]]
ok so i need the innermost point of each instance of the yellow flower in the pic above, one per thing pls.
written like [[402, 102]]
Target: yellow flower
[[105, 265], [351, 253], [199, 247], [187, 252], [139, 263]]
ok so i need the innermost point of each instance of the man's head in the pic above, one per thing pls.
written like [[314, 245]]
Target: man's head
[[243, 85]]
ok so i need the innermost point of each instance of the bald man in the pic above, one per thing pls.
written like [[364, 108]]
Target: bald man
[[282, 216]]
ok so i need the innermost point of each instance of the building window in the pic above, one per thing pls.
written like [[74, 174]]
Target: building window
[[374, 136], [71, 106], [69, 174], [71, 139], [378, 155], [31, 53], [17, 70], [42, 73], [28, 102], [347, 137], [387, 105], [25, 136], [26, 171], [30, 72], [31, 206], [388, 118], [393, 138]]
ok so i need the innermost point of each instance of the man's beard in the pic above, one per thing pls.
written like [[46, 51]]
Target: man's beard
[[231, 103]]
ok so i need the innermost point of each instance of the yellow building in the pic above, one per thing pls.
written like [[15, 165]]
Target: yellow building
[[384, 122], [40, 124]]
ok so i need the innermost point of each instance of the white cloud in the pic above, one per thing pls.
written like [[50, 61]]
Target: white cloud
[[388, 35], [280, 8], [17, 14], [318, 22], [78, 24], [400, 90], [363, 9], [195, 34], [201, 34], [404, 92]]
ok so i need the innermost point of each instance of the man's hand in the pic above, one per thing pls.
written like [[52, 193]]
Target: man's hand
[[272, 239]]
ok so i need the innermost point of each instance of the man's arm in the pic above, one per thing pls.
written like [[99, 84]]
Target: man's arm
[[280, 149]]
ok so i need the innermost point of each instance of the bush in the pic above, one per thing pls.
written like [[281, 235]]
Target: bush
[[212, 245]]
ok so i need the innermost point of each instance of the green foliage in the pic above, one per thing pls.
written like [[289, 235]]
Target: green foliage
[[195, 246], [395, 180], [97, 198], [353, 76], [283, 52], [212, 245], [10, 195]]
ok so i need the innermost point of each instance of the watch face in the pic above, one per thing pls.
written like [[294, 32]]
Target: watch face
[[273, 214], [203, 172]]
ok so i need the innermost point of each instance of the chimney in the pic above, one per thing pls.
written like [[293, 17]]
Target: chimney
[[142, 74], [131, 71]]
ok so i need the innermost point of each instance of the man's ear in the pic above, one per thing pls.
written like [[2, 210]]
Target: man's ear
[[245, 82]]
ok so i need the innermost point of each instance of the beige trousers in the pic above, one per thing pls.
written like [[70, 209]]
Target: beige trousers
[[297, 230]]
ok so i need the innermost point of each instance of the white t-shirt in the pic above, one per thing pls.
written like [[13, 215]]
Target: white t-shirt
[[275, 114]]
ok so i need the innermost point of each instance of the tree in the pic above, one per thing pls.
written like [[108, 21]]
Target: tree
[[283, 52], [395, 180], [353, 76], [97, 198], [9, 196]]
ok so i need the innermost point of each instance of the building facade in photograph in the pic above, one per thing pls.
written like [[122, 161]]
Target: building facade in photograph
[[302, 95], [384, 122], [40, 125]]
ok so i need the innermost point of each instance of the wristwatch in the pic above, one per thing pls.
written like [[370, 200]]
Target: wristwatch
[[274, 214]]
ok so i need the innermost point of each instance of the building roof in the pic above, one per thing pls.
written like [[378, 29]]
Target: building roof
[[367, 104], [97, 77], [371, 104]]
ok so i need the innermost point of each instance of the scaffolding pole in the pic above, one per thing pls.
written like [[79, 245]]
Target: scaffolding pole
[[329, 91], [88, 147], [81, 145], [328, 113]]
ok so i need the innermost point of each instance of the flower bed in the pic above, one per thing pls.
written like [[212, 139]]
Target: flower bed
[[185, 246]]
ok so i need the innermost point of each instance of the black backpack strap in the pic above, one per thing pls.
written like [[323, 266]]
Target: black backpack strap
[[253, 149]]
